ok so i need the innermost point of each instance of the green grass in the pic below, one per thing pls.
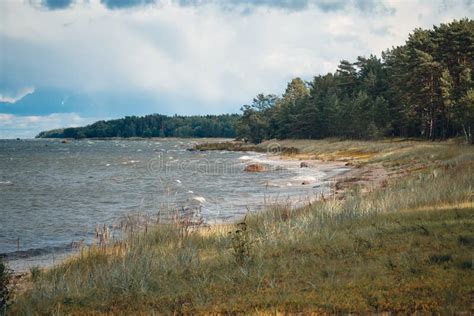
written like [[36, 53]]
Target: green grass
[[402, 248]]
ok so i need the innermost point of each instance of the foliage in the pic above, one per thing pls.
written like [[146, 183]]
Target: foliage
[[153, 126], [421, 89], [240, 243]]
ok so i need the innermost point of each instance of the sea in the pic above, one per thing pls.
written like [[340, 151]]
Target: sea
[[54, 194]]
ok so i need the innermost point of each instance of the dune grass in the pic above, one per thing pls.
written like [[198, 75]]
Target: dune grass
[[404, 247]]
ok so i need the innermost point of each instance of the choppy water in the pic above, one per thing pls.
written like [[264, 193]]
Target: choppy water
[[53, 194]]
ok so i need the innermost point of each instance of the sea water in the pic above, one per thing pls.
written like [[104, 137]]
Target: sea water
[[54, 194]]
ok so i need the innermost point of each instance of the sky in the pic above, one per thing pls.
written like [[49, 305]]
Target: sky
[[69, 63]]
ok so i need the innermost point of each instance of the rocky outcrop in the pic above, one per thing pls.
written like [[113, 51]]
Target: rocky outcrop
[[255, 167], [304, 164]]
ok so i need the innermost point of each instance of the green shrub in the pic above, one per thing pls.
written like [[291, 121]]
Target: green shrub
[[240, 243]]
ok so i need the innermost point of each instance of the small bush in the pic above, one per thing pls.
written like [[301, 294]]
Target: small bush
[[465, 240], [439, 259], [240, 243], [466, 264]]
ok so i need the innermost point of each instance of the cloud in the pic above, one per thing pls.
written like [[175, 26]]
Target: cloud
[[189, 56], [6, 117], [248, 6], [120, 4], [243, 5], [331, 5], [12, 126], [20, 95], [374, 6], [56, 4]]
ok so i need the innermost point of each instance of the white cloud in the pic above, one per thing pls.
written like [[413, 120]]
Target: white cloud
[[12, 126], [20, 95], [202, 53], [6, 118]]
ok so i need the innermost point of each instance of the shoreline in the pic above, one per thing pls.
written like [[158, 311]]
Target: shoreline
[[339, 181], [429, 196], [21, 265], [366, 175]]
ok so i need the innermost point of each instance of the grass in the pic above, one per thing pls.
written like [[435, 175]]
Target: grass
[[5, 280], [345, 150], [404, 247]]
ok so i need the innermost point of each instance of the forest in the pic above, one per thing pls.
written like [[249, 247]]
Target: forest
[[154, 125], [422, 89]]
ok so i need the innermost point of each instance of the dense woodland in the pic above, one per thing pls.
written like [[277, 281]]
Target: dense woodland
[[153, 126], [423, 89]]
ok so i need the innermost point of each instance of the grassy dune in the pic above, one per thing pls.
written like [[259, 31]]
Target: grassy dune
[[405, 246]]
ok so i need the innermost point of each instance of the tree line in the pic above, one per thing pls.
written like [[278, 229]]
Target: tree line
[[154, 125], [422, 89]]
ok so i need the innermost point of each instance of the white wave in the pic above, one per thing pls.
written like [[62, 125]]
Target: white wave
[[263, 159], [130, 162], [304, 178], [6, 183], [200, 199]]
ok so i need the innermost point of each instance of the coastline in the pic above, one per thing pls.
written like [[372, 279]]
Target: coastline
[[21, 264], [385, 204], [341, 176], [358, 172]]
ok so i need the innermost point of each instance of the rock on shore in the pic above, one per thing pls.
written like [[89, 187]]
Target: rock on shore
[[255, 167]]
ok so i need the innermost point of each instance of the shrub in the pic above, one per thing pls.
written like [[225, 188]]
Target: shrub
[[241, 243]]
